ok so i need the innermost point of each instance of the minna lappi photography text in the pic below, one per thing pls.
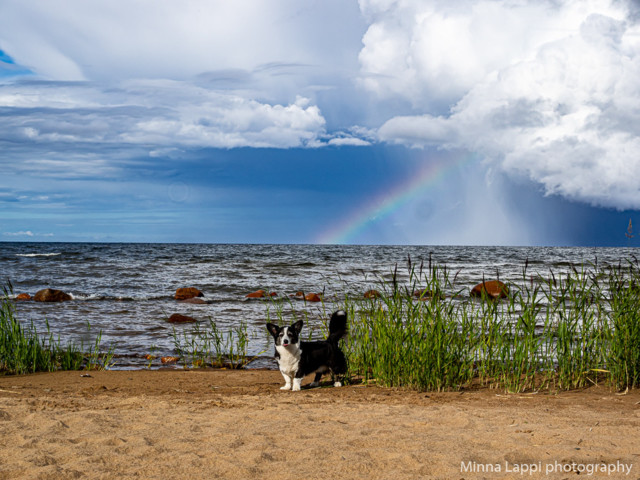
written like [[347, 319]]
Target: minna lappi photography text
[[549, 468]]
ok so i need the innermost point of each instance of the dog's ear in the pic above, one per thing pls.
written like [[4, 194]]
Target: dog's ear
[[273, 329], [297, 327]]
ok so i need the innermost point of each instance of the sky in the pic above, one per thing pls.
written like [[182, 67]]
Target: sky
[[422, 122]]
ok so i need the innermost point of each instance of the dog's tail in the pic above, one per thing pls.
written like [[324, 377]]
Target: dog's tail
[[337, 326]]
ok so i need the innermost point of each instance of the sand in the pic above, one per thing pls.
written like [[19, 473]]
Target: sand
[[219, 424]]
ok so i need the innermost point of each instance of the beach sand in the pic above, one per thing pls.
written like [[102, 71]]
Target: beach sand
[[220, 424]]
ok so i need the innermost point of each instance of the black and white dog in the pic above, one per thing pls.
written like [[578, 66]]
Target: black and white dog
[[297, 359]]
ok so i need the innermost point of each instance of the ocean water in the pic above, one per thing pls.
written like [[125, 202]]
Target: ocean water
[[126, 291]]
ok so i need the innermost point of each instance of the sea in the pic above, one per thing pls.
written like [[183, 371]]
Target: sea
[[126, 291]]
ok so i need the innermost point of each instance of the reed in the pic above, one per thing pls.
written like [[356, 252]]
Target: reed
[[24, 350], [622, 337], [204, 345]]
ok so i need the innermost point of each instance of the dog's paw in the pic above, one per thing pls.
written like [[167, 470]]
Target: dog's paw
[[296, 384], [337, 384], [286, 387]]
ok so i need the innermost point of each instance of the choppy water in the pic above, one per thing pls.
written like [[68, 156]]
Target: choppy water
[[127, 290]]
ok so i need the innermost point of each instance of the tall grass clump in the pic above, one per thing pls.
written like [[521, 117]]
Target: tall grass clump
[[400, 340], [622, 337], [24, 350], [204, 345]]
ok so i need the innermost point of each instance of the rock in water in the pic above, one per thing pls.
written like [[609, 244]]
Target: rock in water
[[493, 289], [178, 318], [313, 297], [51, 295], [188, 292], [23, 297], [426, 294], [261, 294], [423, 294]]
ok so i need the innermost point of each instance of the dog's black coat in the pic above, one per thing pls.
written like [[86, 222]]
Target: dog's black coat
[[303, 358]]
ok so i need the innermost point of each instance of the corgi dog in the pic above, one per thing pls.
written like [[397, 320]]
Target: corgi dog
[[296, 359]]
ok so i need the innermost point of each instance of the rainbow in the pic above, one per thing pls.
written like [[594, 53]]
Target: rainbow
[[388, 201]]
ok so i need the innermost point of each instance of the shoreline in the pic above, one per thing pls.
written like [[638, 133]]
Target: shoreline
[[130, 308], [238, 424]]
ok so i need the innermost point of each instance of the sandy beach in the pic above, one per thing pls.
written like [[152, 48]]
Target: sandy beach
[[239, 425]]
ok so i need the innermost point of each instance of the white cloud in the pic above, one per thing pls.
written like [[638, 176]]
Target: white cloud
[[158, 113], [433, 52], [558, 103], [348, 141], [27, 233]]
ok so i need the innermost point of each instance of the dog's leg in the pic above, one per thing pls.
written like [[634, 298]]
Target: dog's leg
[[287, 382], [296, 384], [316, 380]]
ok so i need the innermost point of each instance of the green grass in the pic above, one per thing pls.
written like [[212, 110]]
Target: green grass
[[202, 346], [24, 350], [552, 333]]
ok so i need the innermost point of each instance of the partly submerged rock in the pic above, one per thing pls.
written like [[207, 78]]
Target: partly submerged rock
[[188, 292], [51, 295], [372, 294], [426, 294], [169, 359], [23, 297], [179, 318], [261, 294], [492, 288], [313, 297]]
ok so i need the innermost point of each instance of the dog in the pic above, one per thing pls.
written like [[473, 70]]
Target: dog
[[297, 359]]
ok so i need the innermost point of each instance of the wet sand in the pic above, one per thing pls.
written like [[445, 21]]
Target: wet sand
[[220, 424]]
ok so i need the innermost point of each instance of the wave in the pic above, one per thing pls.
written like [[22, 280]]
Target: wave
[[88, 297], [38, 254]]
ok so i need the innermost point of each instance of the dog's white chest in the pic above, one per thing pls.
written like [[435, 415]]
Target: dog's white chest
[[289, 359]]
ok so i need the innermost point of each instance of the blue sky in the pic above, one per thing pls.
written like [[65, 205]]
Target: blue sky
[[487, 122]]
